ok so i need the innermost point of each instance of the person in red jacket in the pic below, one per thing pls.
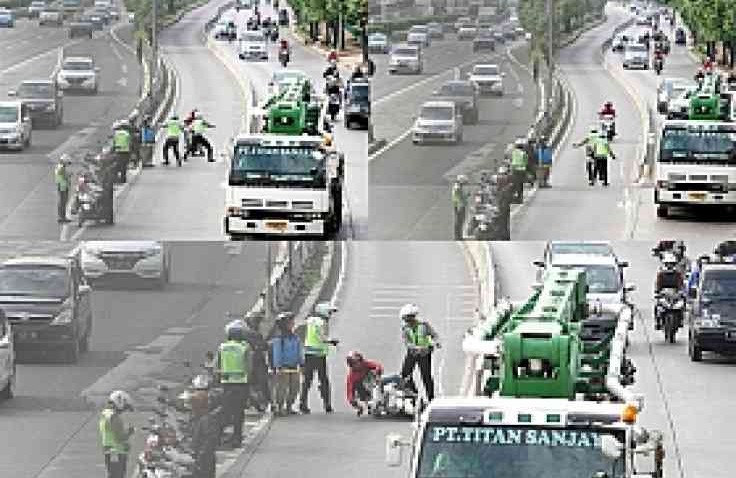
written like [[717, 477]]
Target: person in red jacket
[[361, 374]]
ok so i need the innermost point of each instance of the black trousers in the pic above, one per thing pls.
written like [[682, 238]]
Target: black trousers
[[116, 465], [601, 169], [361, 392], [171, 143], [197, 141], [234, 397], [424, 362], [459, 222], [121, 166], [519, 176], [61, 206], [315, 364]]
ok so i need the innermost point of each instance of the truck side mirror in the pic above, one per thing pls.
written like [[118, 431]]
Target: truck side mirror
[[538, 263]]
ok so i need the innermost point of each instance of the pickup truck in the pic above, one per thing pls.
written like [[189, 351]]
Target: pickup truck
[[48, 305]]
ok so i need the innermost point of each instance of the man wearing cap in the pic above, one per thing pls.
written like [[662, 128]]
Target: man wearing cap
[[519, 163], [590, 143], [316, 348], [121, 147], [62, 178]]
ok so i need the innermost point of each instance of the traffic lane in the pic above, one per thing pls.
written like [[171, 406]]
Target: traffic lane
[[410, 184], [686, 222], [381, 278], [660, 366], [440, 56], [52, 427], [186, 203], [571, 208], [28, 195], [28, 40], [393, 115], [353, 143]]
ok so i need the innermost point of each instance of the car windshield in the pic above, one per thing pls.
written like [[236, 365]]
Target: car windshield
[[456, 89], [77, 65], [418, 29], [516, 452], [719, 285], [50, 10], [485, 70], [35, 280], [38, 4], [414, 37], [8, 114], [436, 113], [36, 90], [410, 52], [636, 47], [601, 279], [253, 37], [276, 162], [359, 93], [581, 248]]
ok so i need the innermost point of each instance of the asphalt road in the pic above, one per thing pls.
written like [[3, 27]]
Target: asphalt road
[[27, 193], [381, 277], [50, 431], [689, 402], [409, 184]]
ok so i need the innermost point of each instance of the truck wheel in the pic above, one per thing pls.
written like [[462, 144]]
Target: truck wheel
[[71, 352], [695, 352], [662, 211], [9, 391]]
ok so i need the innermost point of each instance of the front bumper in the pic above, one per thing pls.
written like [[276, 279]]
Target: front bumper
[[490, 88], [404, 68], [282, 227], [716, 340], [434, 137], [637, 64], [146, 268], [665, 196], [11, 141], [74, 85], [251, 54]]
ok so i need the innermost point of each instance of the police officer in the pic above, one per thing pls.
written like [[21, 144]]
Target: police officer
[[121, 148], [459, 205], [589, 142], [114, 437], [316, 343], [420, 340], [234, 365], [199, 126], [519, 163], [602, 152], [173, 133], [62, 178], [504, 195]]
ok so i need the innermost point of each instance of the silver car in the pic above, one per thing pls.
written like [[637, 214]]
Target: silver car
[[438, 121], [147, 260], [253, 45], [407, 59], [378, 43], [15, 125]]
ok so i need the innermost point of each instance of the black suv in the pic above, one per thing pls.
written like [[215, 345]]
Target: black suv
[[48, 303], [357, 103], [484, 41], [44, 101], [712, 314]]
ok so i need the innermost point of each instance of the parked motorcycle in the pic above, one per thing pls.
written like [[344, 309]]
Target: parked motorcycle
[[669, 311], [88, 199], [393, 398]]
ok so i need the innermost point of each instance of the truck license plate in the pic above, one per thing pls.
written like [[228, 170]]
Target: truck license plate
[[277, 226], [697, 196]]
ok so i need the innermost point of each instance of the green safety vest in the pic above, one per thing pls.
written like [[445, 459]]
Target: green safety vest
[[121, 141], [313, 343], [199, 126], [419, 337], [173, 129], [60, 178], [458, 198], [232, 362], [518, 159], [602, 149], [108, 438]]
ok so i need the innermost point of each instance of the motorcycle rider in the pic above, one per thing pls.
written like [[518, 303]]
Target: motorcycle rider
[[284, 53], [658, 60], [362, 373], [332, 70], [234, 365], [420, 340], [114, 437], [173, 133], [668, 277], [199, 126]]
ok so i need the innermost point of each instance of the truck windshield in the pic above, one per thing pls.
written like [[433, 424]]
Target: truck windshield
[[256, 163], [8, 114], [719, 285], [696, 143], [601, 279], [36, 280], [516, 452], [35, 90], [581, 248], [360, 93]]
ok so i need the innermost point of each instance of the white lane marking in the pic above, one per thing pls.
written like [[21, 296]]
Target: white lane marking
[[390, 145], [123, 82], [124, 68], [341, 276], [33, 58]]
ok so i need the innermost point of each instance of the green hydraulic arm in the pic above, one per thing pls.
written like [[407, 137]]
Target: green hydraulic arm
[[706, 103], [292, 111]]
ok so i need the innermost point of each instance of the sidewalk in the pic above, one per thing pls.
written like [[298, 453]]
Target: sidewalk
[[348, 58]]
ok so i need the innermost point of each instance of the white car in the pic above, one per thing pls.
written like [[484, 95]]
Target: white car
[[406, 58], [417, 39], [488, 78], [462, 21], [438, 121], [419, 31], [78, 73], [147, 260], [678, 106], [467, 32], [636, 55], [253, 45], [15, 125]]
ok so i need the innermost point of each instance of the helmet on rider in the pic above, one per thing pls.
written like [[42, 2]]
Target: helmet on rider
[[608, 105], [409, 312], [120, 400], [354, 358], [234, 330], [174, 117]]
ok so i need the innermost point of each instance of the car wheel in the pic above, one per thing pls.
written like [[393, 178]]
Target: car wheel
[[662, 211], [9, 391]]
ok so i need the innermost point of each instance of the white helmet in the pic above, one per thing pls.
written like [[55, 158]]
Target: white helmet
[[408, 310], [120, 400], [200, 382]]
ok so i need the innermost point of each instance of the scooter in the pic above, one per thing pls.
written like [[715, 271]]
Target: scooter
[[333, 105], [608, 123], [284, 57], [669, 311], [658, 64], [88, 201], [393, 398]]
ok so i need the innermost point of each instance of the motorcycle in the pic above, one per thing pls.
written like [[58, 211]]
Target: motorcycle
[[608, 124], [669, 311], [88, 201], [333, 105], [284, 57], [393, 398], [658, 64], [274, 33]]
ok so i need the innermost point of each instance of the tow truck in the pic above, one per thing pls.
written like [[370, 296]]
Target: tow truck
[[696, 161], [551, 397], [282, 178]]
